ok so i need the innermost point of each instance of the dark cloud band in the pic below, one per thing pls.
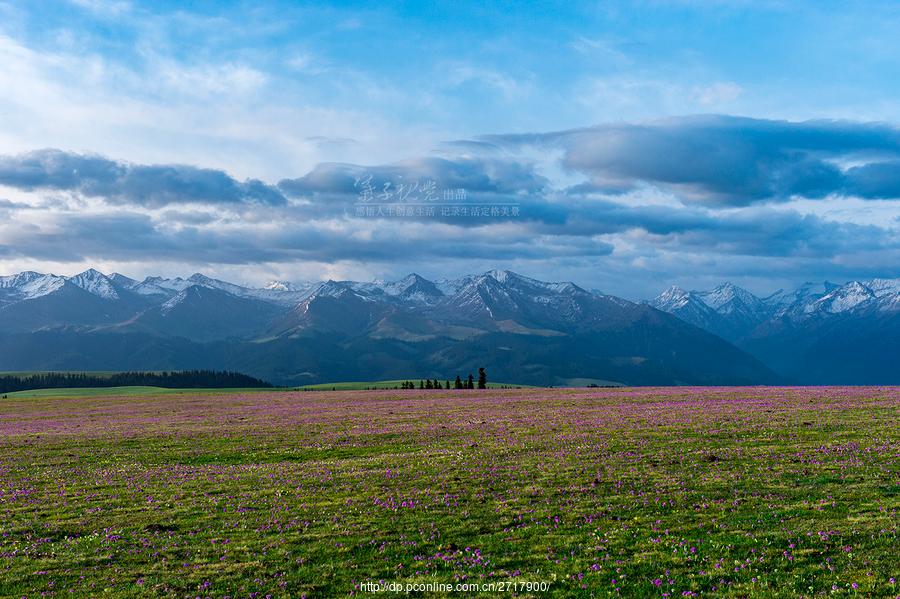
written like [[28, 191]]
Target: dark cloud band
[[124, 183], [731, 161], [728, 171]]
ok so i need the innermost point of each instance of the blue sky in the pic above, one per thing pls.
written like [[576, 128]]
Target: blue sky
[[647, 143]]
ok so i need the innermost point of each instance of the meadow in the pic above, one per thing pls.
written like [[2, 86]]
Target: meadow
[[389, 384], [649, 492]]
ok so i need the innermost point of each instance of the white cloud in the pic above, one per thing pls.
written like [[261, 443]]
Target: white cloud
[[716, 94], [633, 97], [104, 7], [607, 50], [162, 110], [510, 87]]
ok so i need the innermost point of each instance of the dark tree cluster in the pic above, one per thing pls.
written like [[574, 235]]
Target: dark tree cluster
[[468, 383], [424, 384], [184, 379]]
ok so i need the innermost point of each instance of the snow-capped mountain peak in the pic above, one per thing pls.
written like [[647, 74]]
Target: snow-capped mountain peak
[[413, 288], [883, 287], [95, 282], [332, 288], [17, 280], [739, 312], [843, 299], [280, 286], [29, 285], [727, 293], [671, 299], [161, 286], [501, 276], [786, 297]]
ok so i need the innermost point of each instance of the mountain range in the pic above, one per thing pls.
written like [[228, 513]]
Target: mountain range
[[817, 334], [521, 329]]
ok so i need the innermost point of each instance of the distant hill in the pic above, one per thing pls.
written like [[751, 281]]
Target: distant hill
[[188, 379]]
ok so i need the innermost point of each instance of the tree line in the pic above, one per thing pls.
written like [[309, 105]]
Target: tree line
[[182, 379], [468, 383]]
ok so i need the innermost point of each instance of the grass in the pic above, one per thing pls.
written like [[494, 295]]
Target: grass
[[391, 384], [755, 492], [119, 392], [585, 382]]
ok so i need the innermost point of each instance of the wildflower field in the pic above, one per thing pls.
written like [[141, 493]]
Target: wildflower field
[[651, 492]]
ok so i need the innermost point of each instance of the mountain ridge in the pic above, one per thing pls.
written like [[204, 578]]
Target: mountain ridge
[[426, 321], [806, 334], [523, 329]]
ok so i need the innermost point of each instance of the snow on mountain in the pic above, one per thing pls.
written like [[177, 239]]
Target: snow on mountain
[[95, 282], [414, 288], [18, 280], [855, 296], [510, 281], [331, 288], [204, 281], [673, 298], [884, 287], [813, 299], [739, 311], [783, 300], [395, 288], [889, 303], [173, 302], [483, 295], [280, 286], [502, 295], [122, 281], [278, 294], [367, 292], [161, 286], [690, 307], [842, 299], [29, 285], [727, 298], [451, 287], [284, 298], [205, 296], [479, 290], [727, 310]]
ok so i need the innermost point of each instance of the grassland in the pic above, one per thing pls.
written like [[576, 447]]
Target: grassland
[[390, 384], [134, 391], [762, 492]]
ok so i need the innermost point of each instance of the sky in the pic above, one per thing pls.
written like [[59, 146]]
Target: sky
[[626, 146]]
